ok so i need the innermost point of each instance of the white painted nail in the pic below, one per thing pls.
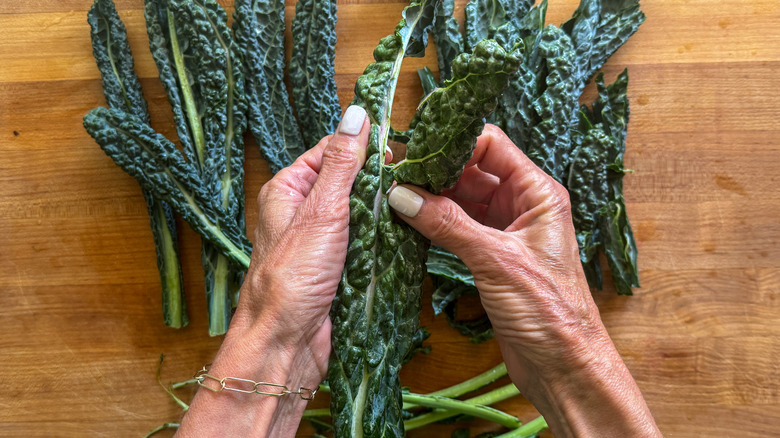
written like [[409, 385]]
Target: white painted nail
[[405, 201], [352, 122]]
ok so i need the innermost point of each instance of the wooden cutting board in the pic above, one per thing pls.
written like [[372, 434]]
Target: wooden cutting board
[[80, 325]]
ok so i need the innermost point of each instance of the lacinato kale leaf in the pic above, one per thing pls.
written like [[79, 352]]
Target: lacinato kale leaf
[[483, 17], [376, 310], [312, 69], [447, 36], [596, 187], [158, 166], [259, 31], [598, 28], [454, 115], [122, 90], [201, 70]]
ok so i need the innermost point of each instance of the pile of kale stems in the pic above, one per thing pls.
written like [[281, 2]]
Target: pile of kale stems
[[508, 69]]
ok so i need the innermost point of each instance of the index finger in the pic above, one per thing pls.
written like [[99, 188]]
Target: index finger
[[496, 154]]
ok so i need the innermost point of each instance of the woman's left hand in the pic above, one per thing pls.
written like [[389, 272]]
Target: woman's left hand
[[281, 330]]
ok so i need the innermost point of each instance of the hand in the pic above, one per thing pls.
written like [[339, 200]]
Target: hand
[[281, 330], [511, 225]]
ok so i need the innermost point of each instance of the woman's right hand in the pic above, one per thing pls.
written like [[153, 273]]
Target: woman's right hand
[[511, 225]]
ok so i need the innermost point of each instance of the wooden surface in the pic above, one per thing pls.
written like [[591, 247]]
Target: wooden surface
[[80, 324]]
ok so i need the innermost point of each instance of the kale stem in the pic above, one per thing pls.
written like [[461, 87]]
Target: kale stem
[[474, 383], [454, 407], [177, 385], [162, 427], [471, 384], [486, 399], [530, 429], [313, 413]]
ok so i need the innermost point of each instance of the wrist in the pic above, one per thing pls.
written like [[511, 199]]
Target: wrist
[[591, 393], [255, 352]]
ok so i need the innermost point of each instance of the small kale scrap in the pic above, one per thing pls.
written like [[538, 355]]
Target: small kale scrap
[[122, 90]]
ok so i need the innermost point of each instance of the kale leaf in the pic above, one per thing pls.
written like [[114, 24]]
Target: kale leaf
[[454, 115], [447, 36], [376, 310], [200, 67], [158, 166], [122, 90], [312, 69], [259, 31]]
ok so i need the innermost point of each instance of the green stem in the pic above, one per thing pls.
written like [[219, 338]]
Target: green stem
[[486, 399], [473, 383], [530, 429], [162, 427], [455, 407], [189, 102], [178, 385], [313, 413]]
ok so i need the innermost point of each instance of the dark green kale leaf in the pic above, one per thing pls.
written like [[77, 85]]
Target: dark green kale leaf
[[483, 17], [515, 114], [155, 162], [516, 10], [598, 28], [376, 310], [596, 187], [200, 67], [588, 191], [447, 36], [446, 264], [178, 69], [619, 244], [312, 69], [259, 31], [454, 115], [122, 90]]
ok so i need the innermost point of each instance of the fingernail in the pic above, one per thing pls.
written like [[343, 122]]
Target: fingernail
[[405, 201], [352, 122]]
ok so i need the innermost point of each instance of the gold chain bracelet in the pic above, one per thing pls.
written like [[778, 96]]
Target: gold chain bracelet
[[247, 386]]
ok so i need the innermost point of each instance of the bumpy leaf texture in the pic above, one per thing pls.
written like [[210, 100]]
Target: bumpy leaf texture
[[598, 207], [483, 17], [312, 69], [122, 90], [454, 115], [376, 310], [597, 29], [447, 36], [200, 67], [259, 31], [157, 165]]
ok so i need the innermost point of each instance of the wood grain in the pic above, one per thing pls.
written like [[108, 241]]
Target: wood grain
[[80, 324]]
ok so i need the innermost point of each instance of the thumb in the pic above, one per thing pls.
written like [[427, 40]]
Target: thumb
[[344, 155], [441, 220]]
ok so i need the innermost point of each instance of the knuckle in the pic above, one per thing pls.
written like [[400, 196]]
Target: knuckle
[[558, 199], [446, 222], [340, 152]]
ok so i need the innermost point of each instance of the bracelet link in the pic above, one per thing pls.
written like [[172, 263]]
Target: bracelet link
[[202, 376]]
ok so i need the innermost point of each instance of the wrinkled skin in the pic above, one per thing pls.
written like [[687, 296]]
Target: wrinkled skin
[[511, 225], [281, 330]]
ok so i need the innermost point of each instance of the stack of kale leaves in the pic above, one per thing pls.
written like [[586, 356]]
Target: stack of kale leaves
[[509, 69], [219, 82], [582, 148]]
